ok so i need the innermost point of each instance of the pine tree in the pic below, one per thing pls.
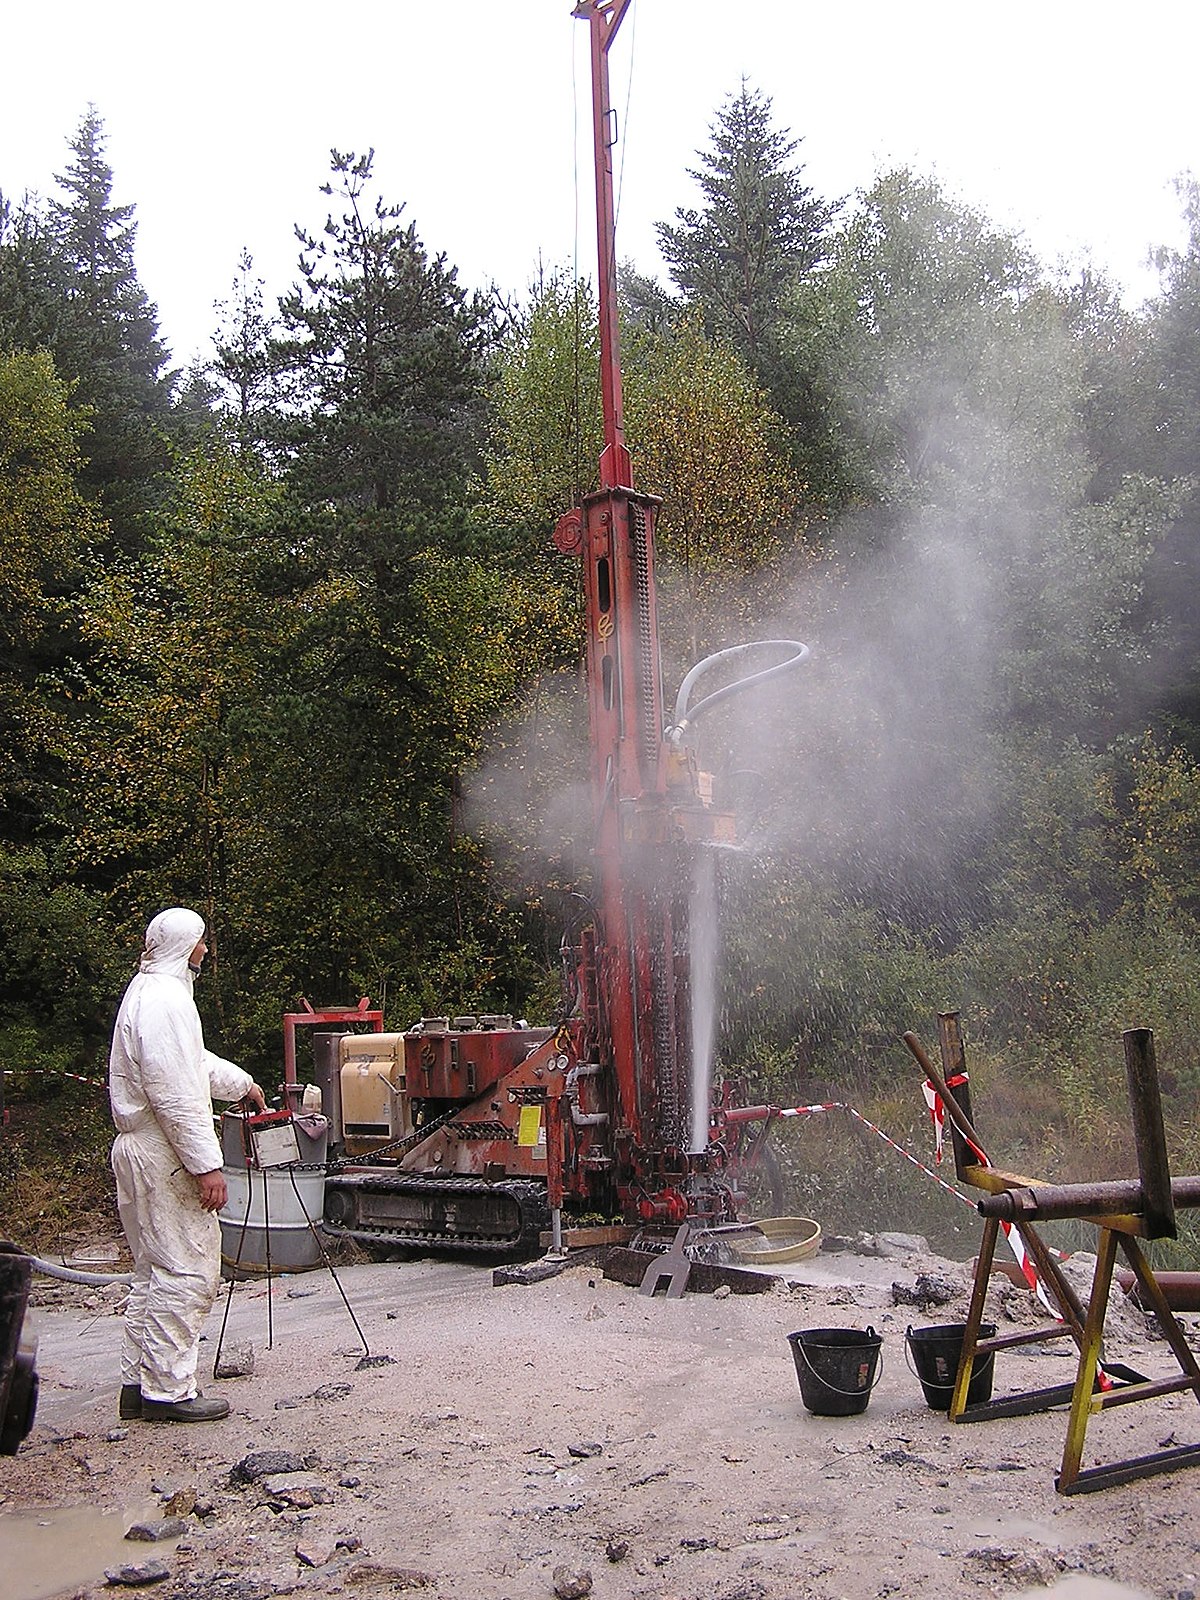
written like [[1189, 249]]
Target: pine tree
[[108, 340], [382, 376], [244, 368], [31, 277], [760, 230]]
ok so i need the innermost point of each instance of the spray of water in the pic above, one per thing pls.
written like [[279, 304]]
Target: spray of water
[[702, 917]]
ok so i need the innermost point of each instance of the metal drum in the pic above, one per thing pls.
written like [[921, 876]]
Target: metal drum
[[268, 1219]]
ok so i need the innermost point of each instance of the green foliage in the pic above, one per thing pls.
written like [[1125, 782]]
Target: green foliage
[[244, 373], [380, 362], [58, 964], [44, 521], [175, 643], [107, 337], [1168, 444], [942, 362], [711, 447], [322, 683], [69, 286], [761, 229], [1163, 828], [546, 434], [1116, 405], [817, 974], [702, 433], [30, 277], [54, 1165], [1175, 362], [46, 528]]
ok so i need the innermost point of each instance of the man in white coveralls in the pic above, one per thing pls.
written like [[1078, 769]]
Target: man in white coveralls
[[167, 1161]]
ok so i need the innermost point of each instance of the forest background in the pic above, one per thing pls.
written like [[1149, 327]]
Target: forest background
[[283, 637]]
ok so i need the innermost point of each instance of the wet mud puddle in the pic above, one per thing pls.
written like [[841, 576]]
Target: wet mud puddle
[[56, 1548]]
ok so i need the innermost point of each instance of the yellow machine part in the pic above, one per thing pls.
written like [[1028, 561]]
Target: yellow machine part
[[374, 1085]]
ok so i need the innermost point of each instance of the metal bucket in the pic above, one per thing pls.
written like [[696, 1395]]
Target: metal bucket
[[268, 1218]]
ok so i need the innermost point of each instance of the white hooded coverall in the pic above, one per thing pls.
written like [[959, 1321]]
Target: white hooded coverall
[[161, 1083]]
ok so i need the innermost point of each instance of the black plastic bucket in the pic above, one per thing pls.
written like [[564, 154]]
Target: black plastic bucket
[[936, 1353], [836, 1368]]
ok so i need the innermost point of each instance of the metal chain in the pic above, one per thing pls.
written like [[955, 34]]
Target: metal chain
[[401, 1144]]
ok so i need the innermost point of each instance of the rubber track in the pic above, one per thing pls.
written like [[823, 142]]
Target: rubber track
[[529, 1194]]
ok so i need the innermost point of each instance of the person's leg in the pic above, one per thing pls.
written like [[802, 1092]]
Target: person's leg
[[182, 1244], [125, 1164]]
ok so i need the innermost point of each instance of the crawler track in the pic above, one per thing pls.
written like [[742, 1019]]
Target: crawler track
[[444, 1213]]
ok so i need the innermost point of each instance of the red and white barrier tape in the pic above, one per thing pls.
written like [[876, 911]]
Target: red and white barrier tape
[[837, 1105], [52, 1072], [937, 1112], [1016, 1244]]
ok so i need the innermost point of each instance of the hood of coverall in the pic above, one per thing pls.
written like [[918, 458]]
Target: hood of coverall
[[170, 940]]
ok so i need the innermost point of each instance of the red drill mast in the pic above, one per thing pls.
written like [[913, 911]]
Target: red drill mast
[[648, 810], [604, 17], [482, 1125]]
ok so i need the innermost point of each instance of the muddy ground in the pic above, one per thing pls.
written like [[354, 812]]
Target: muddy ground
[[572, 1436]]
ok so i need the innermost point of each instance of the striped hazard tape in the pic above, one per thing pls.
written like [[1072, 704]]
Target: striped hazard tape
[[838, 1105], [53, 1072], [938, 1111]]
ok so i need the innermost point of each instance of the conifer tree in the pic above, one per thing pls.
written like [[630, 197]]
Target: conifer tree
[[382, 376], [108, 341], [244, 368], [760, 230], [31, 278]]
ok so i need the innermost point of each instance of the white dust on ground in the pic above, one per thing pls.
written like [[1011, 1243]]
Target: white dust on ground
[[575, 1426]]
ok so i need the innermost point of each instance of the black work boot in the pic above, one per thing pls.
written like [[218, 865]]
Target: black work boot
[[130, 1403], [198, 1409]]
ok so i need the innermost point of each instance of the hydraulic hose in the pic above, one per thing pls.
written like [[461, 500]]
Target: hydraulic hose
[[685, 716], [68, 1275]]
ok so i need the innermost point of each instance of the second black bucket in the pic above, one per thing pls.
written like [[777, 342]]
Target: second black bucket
[[836, 1368], [936, 1353]]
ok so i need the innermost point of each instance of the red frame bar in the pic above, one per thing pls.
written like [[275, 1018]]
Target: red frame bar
[[603, 18], [362, 1012]]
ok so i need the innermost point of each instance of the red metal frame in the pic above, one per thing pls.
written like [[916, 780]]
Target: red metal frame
[[648, 814], [342, 1016]]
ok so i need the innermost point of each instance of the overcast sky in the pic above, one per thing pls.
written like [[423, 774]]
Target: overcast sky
[[1065, 120]]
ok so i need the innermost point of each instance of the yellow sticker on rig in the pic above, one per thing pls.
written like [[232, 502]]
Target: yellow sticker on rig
[[529, 1130]]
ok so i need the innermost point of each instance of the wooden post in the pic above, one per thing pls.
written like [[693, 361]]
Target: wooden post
[[1149, 1135]]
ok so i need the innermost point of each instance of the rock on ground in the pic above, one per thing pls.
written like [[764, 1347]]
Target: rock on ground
[[512, 1438]]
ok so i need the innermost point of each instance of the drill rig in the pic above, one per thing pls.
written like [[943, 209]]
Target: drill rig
[[494, 1128]]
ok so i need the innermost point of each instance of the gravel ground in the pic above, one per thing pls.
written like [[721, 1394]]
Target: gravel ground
[[571, 1436]]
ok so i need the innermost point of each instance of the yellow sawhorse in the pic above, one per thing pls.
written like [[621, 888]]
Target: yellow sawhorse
[[1122, 1212]]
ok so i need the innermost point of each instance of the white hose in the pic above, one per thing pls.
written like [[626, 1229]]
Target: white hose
[[686, 714], [68, 1275]]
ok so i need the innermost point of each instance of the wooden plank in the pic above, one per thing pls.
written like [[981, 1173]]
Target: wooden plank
[[582, 1238]]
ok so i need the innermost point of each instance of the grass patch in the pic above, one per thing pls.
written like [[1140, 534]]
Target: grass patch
[[56, 1186]]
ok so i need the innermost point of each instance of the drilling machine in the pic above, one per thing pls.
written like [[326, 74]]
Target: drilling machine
[[494, 1128]]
